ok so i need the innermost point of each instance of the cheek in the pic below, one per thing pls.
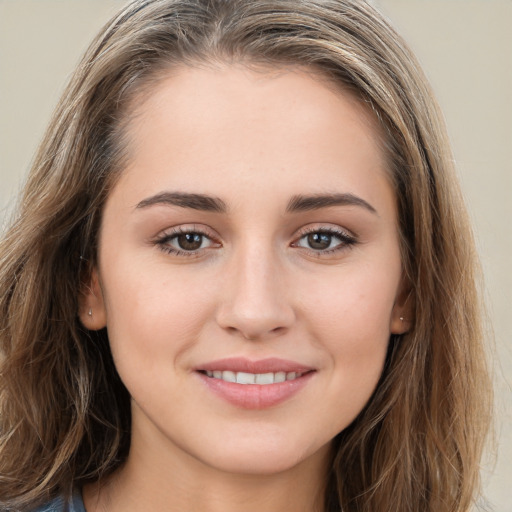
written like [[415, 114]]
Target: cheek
[[150, 315], [351, 321], [357, 304]]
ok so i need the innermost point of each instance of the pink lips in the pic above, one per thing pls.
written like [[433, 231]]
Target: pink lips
[[255, 396]]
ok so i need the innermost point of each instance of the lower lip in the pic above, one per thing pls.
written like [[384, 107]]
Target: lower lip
[[255, 396]]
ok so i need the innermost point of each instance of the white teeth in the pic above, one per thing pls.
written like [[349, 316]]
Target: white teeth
[[253, 378], [264, 378], [228, 376], [279, 377], [245, 378]]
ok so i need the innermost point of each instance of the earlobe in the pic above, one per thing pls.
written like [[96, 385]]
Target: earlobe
[[402, 315], [400, 323], [92, 312]]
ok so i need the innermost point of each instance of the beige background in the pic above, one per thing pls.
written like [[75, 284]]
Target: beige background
[[466, 49]]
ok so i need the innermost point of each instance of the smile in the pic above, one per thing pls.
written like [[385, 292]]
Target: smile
[[249, 384], [261, 379]]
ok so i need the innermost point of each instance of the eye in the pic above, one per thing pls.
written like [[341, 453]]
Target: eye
[[318, 241], [325, 240], [189, 241], [184, 242]]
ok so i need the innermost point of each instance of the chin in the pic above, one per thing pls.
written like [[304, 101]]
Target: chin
[[249, 457]]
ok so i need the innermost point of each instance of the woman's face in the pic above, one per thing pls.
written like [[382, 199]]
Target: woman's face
[[252, 238]]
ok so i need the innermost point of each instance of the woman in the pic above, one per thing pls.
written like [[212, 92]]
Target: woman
[[242, 275]]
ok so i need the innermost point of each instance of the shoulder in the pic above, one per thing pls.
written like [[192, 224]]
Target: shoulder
[[60, 505]]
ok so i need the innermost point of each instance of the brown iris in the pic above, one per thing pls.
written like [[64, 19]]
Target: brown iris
[[190, 241], [319, 241]]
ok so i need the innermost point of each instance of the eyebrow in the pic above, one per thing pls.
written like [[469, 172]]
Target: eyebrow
[[185, 200], [297, 203], [315, 202]]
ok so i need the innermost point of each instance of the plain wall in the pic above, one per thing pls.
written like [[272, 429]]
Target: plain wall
[[465, 47]]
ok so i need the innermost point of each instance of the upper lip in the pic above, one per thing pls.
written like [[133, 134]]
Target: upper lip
[[241, 364]]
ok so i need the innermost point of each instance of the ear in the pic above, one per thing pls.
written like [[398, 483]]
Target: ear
[[92, 312], [402, 315]]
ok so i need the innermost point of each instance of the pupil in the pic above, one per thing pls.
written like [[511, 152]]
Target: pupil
[[319, 240], [190, 241]]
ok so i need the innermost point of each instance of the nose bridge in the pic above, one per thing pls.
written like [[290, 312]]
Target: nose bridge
[[255, 302]]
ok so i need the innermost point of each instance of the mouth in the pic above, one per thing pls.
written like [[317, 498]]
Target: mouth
[[255, 384]]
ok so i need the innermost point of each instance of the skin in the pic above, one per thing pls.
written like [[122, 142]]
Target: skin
[[256, 288]]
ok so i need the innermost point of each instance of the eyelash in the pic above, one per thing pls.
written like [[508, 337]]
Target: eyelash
[[346, 240], [163, 241]]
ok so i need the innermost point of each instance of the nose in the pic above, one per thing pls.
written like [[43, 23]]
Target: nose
[[255, 299]]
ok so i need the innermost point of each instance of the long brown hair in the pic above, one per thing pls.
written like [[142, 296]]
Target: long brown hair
[[65, 414]]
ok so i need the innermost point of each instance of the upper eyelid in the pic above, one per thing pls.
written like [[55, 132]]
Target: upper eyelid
[[187, 228], [206, 231], [326, 228]]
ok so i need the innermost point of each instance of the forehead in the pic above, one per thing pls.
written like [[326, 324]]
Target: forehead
[[215, 88], [211, 126]]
